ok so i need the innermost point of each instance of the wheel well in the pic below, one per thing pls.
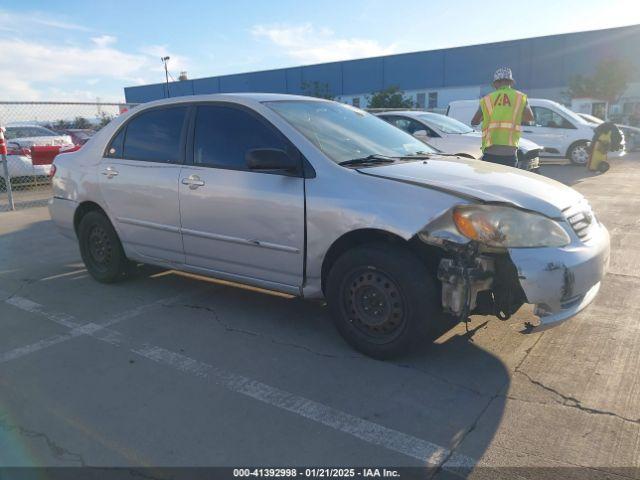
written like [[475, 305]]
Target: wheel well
[[577, 142], [82, 210], [429, 255]]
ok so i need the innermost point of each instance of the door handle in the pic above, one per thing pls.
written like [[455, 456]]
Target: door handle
[[193, 181], [110, 172]]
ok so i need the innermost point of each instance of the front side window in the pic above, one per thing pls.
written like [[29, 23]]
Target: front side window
[[223, 136], [546, 117], [407, 124], [343, 133], [155, 135]]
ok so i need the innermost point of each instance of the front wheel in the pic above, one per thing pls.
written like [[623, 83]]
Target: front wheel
[[579, 153], [383, 299], [101, 249]]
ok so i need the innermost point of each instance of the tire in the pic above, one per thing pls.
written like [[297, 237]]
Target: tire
[[101, 249], [383, 299], [578, 153]]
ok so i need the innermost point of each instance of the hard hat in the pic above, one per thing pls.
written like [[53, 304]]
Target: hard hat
[[503, 73]]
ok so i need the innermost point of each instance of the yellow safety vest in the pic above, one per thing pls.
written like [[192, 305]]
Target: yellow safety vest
[[502, 117]]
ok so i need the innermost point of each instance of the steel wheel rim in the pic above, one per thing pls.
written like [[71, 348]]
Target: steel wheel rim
[[99, 247], [374, 304], [580, 154]]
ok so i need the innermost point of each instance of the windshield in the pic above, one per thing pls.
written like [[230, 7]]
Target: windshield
[[445, 124], [343, 132], [572, 115]]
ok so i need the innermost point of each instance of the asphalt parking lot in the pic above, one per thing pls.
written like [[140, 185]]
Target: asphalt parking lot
[[164, 370]]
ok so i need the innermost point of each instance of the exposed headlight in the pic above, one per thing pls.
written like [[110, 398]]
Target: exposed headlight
[[506, 227]]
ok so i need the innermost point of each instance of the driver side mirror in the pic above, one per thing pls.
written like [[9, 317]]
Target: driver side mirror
[[271, 160], [420, 133]]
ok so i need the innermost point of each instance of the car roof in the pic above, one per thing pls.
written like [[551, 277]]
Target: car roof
[[230, 97]]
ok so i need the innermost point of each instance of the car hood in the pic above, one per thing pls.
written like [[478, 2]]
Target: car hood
[[483, 182], [524, 144]]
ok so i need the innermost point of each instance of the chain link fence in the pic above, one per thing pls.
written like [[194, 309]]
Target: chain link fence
[[34, 133]]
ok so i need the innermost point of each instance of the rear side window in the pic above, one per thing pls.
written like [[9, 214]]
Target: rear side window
[[155, 136], [223, 135], [116, 148]]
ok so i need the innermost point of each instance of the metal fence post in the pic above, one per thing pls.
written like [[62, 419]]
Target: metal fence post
[[7, 181], [5, 169]]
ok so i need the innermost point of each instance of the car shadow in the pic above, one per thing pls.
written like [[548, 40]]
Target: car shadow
[[446, 394], [567, 174]]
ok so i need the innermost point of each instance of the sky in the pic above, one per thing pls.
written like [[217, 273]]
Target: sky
[[88, 50]]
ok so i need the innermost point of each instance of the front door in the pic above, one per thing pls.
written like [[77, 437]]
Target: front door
[[139, 178], [242, 224], [551, 130]]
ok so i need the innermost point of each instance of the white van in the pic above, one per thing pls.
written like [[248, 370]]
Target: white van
[[560, 131]]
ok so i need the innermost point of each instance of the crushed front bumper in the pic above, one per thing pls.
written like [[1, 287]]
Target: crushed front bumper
[[561, 282]]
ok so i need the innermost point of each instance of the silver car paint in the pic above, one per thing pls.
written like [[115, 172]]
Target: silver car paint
[[401, 199]]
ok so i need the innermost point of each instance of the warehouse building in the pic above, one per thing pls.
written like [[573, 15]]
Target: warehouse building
[[542, 67]]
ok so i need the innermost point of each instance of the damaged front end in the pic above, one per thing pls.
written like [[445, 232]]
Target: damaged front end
[[483, 279]]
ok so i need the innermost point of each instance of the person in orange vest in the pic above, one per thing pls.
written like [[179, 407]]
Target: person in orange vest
[[502, 113]]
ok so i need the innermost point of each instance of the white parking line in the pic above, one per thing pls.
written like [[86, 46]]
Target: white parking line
[[430, 454], [99, 330], [33, 307], [427, 452]]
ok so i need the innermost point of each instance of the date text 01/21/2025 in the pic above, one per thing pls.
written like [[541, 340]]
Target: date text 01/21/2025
[[316, 472]]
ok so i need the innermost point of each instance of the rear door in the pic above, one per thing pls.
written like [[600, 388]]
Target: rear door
[[237, 223], [139, 178]]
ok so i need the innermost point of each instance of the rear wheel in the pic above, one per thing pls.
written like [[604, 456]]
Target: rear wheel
[[579, 153], [101, 249], [383, 299]]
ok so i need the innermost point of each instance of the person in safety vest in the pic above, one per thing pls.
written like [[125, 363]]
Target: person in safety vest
[[502, 113]]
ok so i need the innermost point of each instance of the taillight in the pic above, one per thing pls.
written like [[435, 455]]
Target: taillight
[[53, 170]]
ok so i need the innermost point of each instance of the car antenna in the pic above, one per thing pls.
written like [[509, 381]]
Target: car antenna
[[166, 74]]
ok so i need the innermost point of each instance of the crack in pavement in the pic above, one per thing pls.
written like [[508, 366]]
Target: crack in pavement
[[456, 461], [25, 282], [252, 333], [56, 450], [275, 341], [573, 402]]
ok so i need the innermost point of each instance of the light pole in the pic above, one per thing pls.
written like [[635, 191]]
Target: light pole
[[166, 73]]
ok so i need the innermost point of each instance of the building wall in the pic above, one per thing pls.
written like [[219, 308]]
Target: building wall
[[542, 67]]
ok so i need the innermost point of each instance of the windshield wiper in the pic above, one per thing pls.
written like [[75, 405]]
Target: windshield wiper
[[373, 158]]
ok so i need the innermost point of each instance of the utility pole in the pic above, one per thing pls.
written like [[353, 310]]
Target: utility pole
[[166, 73]]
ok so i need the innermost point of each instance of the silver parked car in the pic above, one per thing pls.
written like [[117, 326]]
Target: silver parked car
[[321, 200], [451, 136], [26, 136]]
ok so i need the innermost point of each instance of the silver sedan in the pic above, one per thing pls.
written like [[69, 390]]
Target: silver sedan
[[318, 199]]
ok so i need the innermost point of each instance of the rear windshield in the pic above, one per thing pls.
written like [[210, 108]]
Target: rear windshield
[[31, 131]]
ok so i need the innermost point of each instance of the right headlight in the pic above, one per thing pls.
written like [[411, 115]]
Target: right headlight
[[507, 227]]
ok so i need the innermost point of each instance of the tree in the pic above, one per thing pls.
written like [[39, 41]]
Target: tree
[[317, 89], [81, 122], [608, 82], [390, 97], [104, 119]]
